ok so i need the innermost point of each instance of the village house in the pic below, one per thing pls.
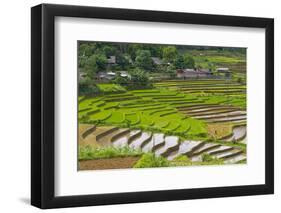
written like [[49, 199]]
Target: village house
[[108, 76], [193, 73], [124, 74], [111, 60], [105, 76]]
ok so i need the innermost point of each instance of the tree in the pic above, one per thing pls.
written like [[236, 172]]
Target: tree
[[139, 78], [97, 62], [87, 49], [109, 50], [170, 53], [189, 61], [133, 49], [143, 60], [122, 61], [87, 87], [179, 62], [123, 81], [155, 50], [94, 64], [101, 61], [90, 67], [84, 50], [82, 61]]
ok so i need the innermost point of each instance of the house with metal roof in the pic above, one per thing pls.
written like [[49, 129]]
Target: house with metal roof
[[193, 73]]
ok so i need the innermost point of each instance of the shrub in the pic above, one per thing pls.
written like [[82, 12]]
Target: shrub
[[171, 71], [207, 158], [121, 80], [211, 160], [87, 87], [139, 79], [239, 80], [149, 160], [202, 134], [182, 158]]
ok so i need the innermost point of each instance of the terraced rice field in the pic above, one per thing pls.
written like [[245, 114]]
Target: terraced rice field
[[175, 118], [222, 106], [154, 110], [169, 147]]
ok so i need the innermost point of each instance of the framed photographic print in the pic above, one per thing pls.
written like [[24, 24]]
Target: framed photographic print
[[139, 106]]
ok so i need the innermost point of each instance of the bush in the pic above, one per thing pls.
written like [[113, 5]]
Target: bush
[[139, 79], [203, 135], [211, 160], [182, 158], [149, 160], [121, 80], [239, 80], [87, 87], [171, 71]]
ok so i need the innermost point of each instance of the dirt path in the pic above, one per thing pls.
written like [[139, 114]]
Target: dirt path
[[112, 163]]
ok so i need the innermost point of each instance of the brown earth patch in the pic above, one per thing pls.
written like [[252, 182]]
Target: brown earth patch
[[90, 140], [109, 163], [82, 128], [219, 130]]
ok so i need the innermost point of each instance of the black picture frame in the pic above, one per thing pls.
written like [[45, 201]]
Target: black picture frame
[[43, 102]]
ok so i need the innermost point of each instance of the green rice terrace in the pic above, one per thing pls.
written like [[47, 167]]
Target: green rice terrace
[[172, 123]]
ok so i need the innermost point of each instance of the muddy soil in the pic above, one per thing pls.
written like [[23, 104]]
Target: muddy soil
[[111, 163]]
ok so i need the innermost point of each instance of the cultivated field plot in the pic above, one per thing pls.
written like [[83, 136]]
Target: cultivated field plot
[[130, 145], [175, 123]]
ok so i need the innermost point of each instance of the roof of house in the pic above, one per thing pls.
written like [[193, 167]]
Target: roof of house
[[124, 73], [223, 69], [111, 73], [157, 60], [111, 59], [204, 70], [188, 70]]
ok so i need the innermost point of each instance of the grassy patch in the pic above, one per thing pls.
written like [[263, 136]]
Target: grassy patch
[[91, 153], [111, 88], [149, 160], [183, 160], [224, 59], [212, 160], [242, 161]]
